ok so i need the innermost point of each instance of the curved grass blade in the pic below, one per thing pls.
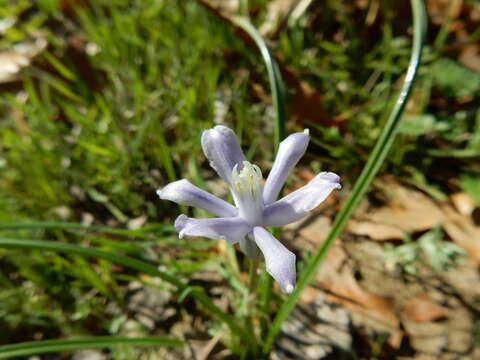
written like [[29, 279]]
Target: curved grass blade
[[198, 293], [276, 84], [372, 166], [94, 342], [31, 225]]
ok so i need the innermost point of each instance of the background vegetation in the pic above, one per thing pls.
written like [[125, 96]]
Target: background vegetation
[[109, 103]]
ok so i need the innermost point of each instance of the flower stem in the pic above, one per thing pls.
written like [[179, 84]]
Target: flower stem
[[252, 275], [251, 298]]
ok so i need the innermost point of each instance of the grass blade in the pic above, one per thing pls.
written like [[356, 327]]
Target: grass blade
[[276, 84], [94, 342], [53, 225], [372, 166]]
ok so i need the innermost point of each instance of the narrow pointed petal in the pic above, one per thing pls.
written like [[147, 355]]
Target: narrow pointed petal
[[297, 204], [231, 229], [289, 152], [222, 149], [185, 193], [279, 260]]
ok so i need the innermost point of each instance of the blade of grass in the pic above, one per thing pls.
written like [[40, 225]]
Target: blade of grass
[[371, 168], [62, 69], [31, 225], [275, 79], [198, 293], [94, 342], [165, 155]]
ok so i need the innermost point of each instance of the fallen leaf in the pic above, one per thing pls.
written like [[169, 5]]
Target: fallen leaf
[[317, 230], [373, 230], [463, 232], [137, 222], [222, 8], [278, 12], [407, 210], [442, 10], [10, 64], [307, 105], [470, 57], [463, 202], [422, 309], [18, 57], [339, 282]]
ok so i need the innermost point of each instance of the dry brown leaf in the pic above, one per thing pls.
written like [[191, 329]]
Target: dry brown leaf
[[307, 102], [342, 287], [20, 56], [317, 230], [409, 210], [278, 12], [441, 10], [463, 202], [470, 57], [373, 230], [422, 309], [463, 232], [224, 8], [10, 64]]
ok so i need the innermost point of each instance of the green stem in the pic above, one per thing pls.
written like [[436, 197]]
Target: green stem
[[265, 302], [251, 298], [371, 168], [252, 275]]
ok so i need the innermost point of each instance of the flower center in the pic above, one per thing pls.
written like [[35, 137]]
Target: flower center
[[247, 190]]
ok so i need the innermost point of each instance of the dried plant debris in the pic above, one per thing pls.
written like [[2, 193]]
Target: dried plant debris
[[315, 330], [12, 61]]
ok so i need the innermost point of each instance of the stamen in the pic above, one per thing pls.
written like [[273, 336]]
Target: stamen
[[247, 190]]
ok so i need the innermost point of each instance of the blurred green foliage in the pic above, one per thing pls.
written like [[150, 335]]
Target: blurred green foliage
[[430, 249]]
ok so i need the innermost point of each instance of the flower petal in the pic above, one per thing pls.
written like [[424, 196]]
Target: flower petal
[[222, 149], [289, 152], [279, 260], [185, 193], [231, 229], [297, 204]]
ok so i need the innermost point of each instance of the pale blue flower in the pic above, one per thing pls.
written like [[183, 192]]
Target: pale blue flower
[[255, 205]]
